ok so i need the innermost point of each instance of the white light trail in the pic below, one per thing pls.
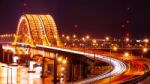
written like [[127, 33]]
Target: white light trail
[[118, 66]]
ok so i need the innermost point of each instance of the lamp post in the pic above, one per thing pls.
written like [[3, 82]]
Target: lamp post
[[87, 37], [74, 36], [144, 50], [107, 38], [126, 54], [114, 48], [126, 42], [146, 41], [94, 41]]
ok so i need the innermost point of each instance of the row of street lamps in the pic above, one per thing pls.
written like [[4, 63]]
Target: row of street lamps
[[87, 41]]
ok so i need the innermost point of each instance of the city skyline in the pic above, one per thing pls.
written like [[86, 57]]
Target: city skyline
[[96, 18]]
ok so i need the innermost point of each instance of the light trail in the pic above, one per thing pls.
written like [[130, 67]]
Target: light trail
[[118, 66]]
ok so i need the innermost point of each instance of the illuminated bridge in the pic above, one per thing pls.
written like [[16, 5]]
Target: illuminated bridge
[[37, 30], [40, 31]]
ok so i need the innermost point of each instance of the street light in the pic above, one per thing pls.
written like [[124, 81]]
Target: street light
[[127, 39], [107, 38], [87, 37], [126, 54], [62, 68], [68, 37], [94, 41], [115, 48], [144, 50], [146, 40], [59, 59], [64, 61], [83, 39], [63, 35], [74, 36]]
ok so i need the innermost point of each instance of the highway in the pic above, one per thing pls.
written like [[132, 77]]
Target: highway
[[124, 68], [119, 67], [135, 69]]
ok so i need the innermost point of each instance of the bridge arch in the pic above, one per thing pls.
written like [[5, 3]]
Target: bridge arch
[[37, 29]]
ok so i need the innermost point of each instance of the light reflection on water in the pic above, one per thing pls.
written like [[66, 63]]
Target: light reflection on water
[[20, 75]]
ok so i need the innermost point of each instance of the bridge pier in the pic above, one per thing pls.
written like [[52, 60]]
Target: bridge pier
[[55, 68], [78, 69], [44, 68], [71, 70], [7, 57]]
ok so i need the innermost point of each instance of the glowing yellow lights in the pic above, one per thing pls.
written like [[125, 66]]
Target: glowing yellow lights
[[83, 38], [62, 74], [62, 68], [67, 37], [59, 59], [87, 37], [6, 35], [115, 48], [40, 30], [74, 36], [126, 54], [94, 41], [145, 50], [107, 38], [63, 35], [146, 40], [64, 61], [127, 39]]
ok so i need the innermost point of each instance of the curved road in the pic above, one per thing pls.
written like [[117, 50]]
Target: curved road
[[118, 66]]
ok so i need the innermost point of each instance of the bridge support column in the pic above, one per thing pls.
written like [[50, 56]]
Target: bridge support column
[[27, 60], [8, 58], [71, 70], [44, 68], [55, 68]]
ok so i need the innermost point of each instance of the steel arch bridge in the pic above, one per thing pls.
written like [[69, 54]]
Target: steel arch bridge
[[37, 29]]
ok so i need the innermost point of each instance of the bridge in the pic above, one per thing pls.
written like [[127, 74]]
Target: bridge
[[37, 30], [38, 33]]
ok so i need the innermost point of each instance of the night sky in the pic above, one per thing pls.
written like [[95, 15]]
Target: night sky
[[97, 18]]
